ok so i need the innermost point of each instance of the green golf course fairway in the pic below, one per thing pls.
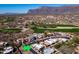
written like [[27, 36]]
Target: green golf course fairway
[[38, 29], [15, 30]]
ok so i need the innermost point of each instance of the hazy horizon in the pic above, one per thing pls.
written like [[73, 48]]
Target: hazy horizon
[[23, 8]]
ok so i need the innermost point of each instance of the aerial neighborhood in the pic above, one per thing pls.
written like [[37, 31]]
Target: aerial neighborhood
[[44, 30]]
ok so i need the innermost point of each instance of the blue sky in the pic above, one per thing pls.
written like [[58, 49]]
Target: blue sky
[[23, 8]]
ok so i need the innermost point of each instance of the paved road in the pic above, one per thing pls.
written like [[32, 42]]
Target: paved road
[[33, 51], [46, 38]]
